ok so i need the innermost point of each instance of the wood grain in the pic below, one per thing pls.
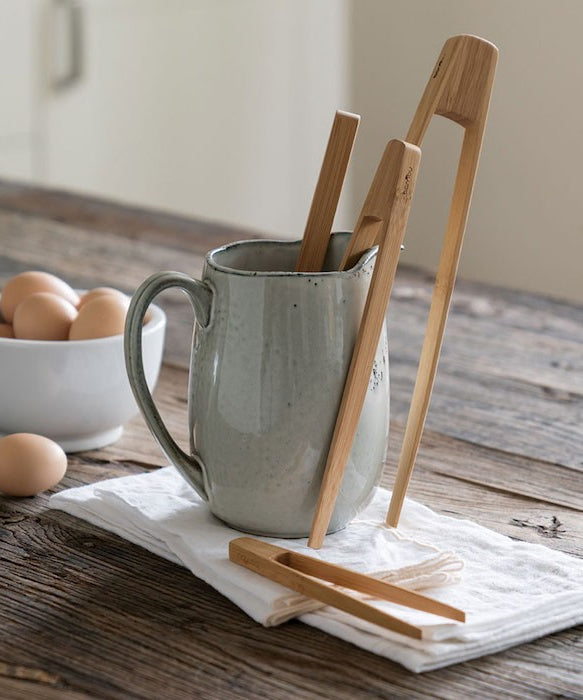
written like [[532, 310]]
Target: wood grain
[[85, 614]]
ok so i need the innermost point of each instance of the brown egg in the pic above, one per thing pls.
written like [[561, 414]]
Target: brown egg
[[27, 283], [30, 464], [6, 330], [43, 316], [101, 317], [99, 292]]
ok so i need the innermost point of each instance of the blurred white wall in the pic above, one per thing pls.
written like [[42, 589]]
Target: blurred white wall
[[526, 222], [215, 109], [222, 110], [18, 66]]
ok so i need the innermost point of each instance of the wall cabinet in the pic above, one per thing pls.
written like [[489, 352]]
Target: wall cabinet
[[215, 109]]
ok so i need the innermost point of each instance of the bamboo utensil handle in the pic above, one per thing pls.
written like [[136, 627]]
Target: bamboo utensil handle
[[459, 89], [386, 209], [327, 192]]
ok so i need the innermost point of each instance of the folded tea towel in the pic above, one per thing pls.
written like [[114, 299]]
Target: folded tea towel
[[512, 591], [160, 512]]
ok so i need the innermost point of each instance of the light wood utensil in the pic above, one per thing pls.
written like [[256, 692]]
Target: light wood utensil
[[385, 212], [327, 192], [305, 575], [459, 89]]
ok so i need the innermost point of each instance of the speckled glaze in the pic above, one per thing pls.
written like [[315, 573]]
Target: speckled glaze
[[271, 351]]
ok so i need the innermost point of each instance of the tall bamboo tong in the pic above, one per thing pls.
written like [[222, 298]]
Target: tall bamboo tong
[[459, 89]]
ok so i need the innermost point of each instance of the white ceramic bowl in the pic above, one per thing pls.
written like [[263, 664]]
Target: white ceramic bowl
[[75, 392]]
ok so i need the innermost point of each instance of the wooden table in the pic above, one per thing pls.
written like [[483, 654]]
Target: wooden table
[[86, 614]]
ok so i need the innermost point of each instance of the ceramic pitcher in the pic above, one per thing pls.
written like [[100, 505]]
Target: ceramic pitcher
[[270, 354]]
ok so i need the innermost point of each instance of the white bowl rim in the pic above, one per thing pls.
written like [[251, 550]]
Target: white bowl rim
[[158, 319]]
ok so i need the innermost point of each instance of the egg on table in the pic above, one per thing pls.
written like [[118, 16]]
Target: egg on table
[[30, 464], [6, 330], [26, 283]]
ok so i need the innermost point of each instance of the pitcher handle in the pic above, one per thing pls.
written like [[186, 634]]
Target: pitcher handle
[[200, 296]]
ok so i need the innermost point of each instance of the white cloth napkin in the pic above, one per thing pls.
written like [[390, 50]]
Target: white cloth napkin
[[512, 591], [160, 512]]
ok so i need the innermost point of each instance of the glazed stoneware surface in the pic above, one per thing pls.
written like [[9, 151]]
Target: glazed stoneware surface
[[270, 355]]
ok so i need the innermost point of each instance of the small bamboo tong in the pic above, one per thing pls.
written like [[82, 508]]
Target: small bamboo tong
[[305, 575]]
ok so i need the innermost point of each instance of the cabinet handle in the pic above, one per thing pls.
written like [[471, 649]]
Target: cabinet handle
[[74, 31]]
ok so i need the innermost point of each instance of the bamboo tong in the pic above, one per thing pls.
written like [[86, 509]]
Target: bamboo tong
[[306, 575], [383, 219], [327, 192], [459, 89]]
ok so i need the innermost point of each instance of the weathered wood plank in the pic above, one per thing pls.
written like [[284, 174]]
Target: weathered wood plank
[[502, 447], [18, 688], [100, 215], [500, 471], [79, 551], [497, 385], [495, 372], [85, 614]]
